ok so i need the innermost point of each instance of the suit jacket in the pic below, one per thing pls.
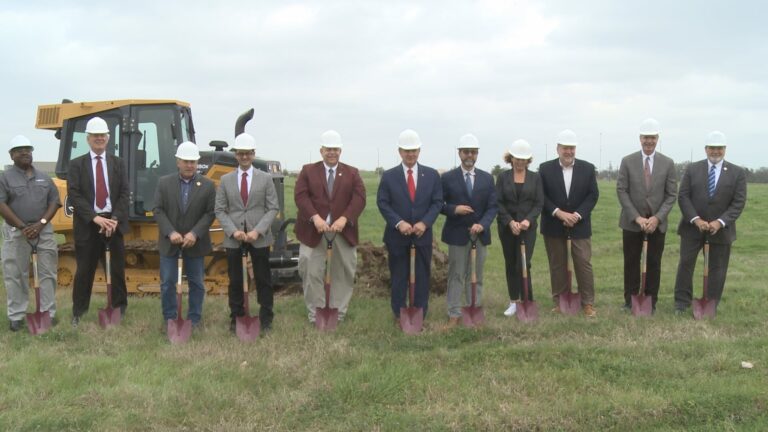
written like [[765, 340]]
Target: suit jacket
[[82, 194], [581, 199], [395, 204], [483, 202], [196, 218], [311, 196], [518, 207], [727, 203], [259, 213], [636, 200]]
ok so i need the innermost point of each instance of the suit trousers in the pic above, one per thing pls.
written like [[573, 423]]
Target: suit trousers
[[633, 248], [88, 254], [719, 255], [399, 268], [262, 277], [513, 263], [582, 254], [460, 277], [312, 262]]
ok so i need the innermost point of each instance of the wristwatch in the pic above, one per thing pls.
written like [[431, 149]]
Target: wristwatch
[[43, 221]]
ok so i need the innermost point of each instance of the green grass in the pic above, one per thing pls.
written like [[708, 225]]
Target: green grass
[[561, 373]]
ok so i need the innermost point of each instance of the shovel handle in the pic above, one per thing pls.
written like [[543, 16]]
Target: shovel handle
[[524, 268], [473, 270], [706, 268], [568, 252], [412, 275]]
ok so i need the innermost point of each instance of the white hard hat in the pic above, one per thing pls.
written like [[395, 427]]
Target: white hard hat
[[244, 142], [20, 141], [468, 141], [649, 126], [331, 139], [567, 138], [409, 140], [96, 125], [716, 139], [520, 149], [187, 151]]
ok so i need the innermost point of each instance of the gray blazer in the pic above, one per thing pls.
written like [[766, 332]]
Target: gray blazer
[[259, 213], [197, 218], [636, 199]]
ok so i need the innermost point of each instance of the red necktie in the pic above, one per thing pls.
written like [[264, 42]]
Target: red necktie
[[647, 172], [101, 185], [244, 188], [411, 186]]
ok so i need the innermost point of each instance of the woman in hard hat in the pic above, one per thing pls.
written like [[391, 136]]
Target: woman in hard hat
[[521, 198]]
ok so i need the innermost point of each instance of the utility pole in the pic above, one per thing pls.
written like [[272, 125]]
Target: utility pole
[[600, 163]]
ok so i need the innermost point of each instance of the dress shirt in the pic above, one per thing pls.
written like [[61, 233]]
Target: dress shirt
[[248, 179], [108, 206]]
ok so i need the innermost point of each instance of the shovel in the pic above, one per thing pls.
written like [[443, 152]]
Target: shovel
[[327, 317], [704, 307], [179, 329], [527, 311], [472, 315], [108, 316], [412, 318], [642, 305], [570, 302], [246, 327], [37, 322]]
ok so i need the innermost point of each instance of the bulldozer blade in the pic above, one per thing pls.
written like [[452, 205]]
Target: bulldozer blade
[[411, 319], [704, 308], [179, 330], [472, 316], [527, 311], [38, 322], [326, 318], [570, 303], [109, 317], [642, 305], [247, 328]]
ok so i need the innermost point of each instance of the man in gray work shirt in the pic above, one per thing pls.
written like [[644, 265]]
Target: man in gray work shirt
[[28, 201]]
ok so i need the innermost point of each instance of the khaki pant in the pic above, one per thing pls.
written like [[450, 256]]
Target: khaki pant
[[581, 252], [312, 272]]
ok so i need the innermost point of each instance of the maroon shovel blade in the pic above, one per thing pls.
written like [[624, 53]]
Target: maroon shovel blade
[[473, 315], [37, 322], [179, 329], [411, 320], [704, 307], [247, 328], [109, 316], [527, 310], [326, 318], [642, 305]]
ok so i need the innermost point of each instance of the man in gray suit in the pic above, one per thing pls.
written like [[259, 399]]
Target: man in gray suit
[[647, 188], [712, 195], [184, 212], [246, 205]]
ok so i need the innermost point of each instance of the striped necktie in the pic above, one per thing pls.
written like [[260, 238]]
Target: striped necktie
[[711, 182]]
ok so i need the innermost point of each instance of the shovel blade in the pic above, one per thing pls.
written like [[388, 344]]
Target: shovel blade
[[472, 316], [570, 303], [247, 328], [642, 305], [326, 318], [38, 322], [411, 320], [527, 311], [704, 308], [179, 330], [109, 317]]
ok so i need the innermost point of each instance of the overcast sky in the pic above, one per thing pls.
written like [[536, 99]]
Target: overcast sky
[[501, 70]]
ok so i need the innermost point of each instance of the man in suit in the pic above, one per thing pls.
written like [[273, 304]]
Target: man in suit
[[410, 198], [330, 196], [184, 212], [570, 194], [470, 207], [712, 195], [647, 189], [97, 186], [246, 206]]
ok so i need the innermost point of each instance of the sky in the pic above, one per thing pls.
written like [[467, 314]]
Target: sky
[[501, 70]]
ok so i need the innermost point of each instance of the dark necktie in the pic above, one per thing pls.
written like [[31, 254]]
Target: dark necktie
[[647, 172], [411, 186], [244, 188], [330, 181], [101, 185], [468, 181], [711, 182]]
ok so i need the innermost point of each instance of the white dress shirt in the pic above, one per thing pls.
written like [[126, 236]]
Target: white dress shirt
[[108, 206]]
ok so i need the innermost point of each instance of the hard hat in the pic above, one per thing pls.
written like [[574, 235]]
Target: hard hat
[[567, 138], [649, 126], [244, 142], [716, 139], [96, 125], [520, 149], [20, 141], [331, 139], [468, 141], [409, 140], [187, 151]]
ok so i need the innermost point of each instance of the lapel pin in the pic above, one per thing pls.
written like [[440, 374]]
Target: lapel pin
[[725, 168], [339, 174], [198, 183]]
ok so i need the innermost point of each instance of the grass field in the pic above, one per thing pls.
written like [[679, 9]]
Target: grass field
[[561, 373]]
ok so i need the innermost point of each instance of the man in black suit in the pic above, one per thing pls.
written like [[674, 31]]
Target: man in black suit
[[570, 194], [712, 195], [97, 186]]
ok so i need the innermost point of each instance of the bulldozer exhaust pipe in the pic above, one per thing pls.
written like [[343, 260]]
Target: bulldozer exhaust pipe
[[242, 120]]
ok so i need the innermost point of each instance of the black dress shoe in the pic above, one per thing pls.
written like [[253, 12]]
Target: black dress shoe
[[267, 326], [75, 321], [16, 325], [232, 326], [122, 310], [54, 322]]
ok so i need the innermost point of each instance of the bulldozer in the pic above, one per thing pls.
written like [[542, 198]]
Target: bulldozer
[[145, 134]]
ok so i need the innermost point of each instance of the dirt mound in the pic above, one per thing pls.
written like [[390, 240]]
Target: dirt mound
[[372, 279]]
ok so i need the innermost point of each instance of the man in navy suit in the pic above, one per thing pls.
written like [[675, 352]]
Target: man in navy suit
[[410, 198], [570, 194], [470, 207]]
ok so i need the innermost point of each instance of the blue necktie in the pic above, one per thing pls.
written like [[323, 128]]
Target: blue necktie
[[711, 182], [469, 184]]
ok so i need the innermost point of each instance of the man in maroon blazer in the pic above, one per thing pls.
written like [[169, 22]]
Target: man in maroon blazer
[[329, 196]]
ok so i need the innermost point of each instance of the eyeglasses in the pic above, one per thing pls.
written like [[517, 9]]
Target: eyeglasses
[[243, 154], [469, 151]]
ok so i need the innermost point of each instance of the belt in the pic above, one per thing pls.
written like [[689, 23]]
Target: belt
[[105, 215]]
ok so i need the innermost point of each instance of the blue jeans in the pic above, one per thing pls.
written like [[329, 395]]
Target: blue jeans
[[193, 268]]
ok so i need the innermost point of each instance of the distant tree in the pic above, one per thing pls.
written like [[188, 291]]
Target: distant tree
[[496, 170], [379, 171]]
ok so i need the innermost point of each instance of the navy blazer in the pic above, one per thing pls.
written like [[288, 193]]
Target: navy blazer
[[395, 204], [483, 202], [581, 199]]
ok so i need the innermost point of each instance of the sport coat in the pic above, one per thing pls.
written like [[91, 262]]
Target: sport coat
[[636, 200], [196, 218], [311, 196], [483, 202], [726, 204], [581, 198], [82, 193], [258, 214], [395, 204], [525, 205]]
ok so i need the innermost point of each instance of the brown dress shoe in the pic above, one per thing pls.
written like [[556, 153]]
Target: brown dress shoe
[[555, 309], [589, 311], [452, 323]]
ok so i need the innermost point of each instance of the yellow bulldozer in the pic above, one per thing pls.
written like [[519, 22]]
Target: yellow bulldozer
[[145, 134]]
